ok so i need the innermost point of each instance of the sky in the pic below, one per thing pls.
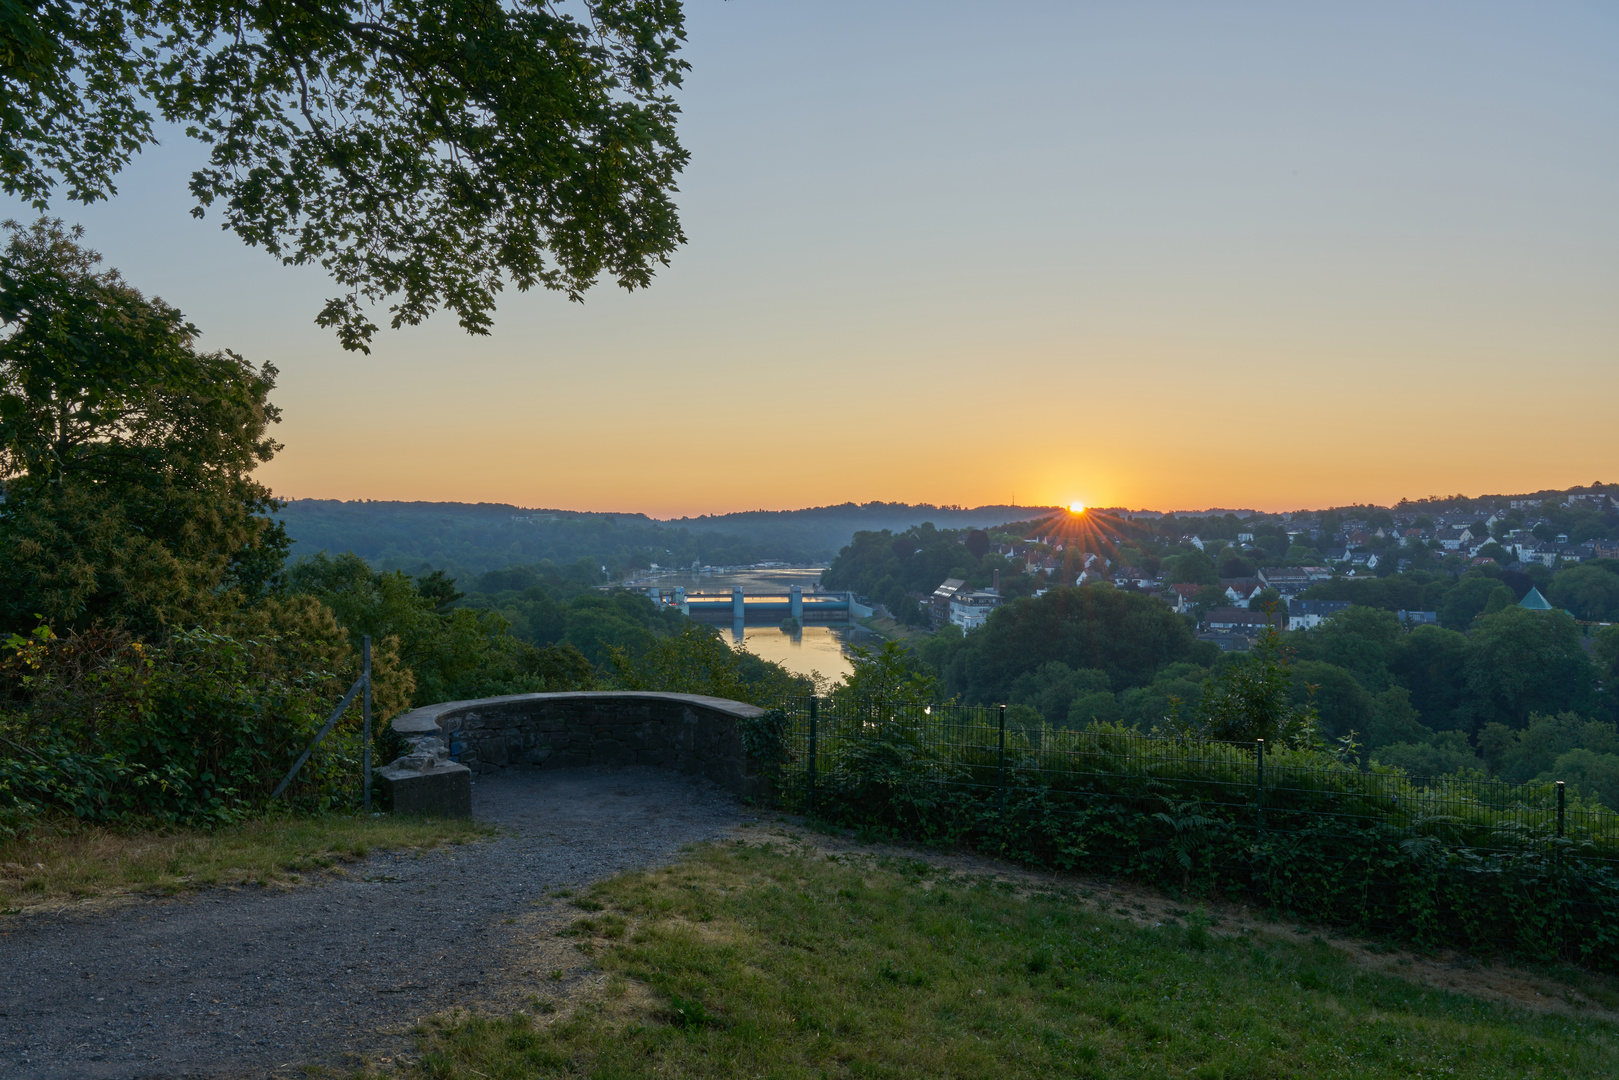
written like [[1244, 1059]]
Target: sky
[[1161, 255]]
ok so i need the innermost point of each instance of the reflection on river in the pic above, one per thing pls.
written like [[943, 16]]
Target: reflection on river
[[814, 648], [818, 647]]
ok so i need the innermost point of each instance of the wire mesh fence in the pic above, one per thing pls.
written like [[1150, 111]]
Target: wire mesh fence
[[1464, 860]]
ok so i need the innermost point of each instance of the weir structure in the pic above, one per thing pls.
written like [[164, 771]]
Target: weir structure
[[816, 607]]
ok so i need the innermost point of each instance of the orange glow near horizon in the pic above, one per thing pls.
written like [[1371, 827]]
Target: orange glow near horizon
[[1097, 269]]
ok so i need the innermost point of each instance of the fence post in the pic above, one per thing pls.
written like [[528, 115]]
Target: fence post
[[814, 701], [1000, 758], [365, 711], [1259, 789], [1557, 856]]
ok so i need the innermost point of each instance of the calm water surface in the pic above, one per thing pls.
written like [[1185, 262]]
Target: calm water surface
[[814, 648], [818, 647]]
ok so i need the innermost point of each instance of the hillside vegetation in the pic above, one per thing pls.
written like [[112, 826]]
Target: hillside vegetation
[[466, 539]]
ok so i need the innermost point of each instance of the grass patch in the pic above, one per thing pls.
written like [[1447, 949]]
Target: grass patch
[[71, 861], [768, 962]]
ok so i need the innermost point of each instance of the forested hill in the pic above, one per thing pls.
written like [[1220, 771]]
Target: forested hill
[[471, 538], [826, 529]]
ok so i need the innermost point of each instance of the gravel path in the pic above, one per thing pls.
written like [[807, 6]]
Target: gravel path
[[243, 983]]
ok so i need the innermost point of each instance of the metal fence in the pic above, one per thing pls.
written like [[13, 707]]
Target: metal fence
[[1290, 829]]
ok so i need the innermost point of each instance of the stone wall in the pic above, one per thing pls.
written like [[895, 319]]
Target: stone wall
[[687, 733]]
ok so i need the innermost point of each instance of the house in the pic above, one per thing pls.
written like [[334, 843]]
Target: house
[[1226, 641], [1241, 589], [1095, 573], [1309, 614], [1413, 619], [1287, 580], [1236, 620], [939, 602], [1604, 549], [1544, 554], [968, 610], [1126, 577], [1336, 555], [1359, 537], [1453, 539], [1368, 559], [1182, 592]]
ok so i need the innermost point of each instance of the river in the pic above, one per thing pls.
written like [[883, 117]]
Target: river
[[818, 647]]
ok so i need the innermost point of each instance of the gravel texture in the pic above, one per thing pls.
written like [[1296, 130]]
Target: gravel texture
[[250, 983]]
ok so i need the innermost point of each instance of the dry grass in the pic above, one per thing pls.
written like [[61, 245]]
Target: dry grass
[[71, 863]]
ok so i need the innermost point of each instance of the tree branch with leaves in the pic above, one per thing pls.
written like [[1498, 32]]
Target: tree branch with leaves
[[426, 153]]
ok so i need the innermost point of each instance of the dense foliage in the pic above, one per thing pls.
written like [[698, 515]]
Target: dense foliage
[[1463, 864], [466, 539], [1424, 699], [894, 569], [160, 660], [194, 731], [824, 530], [423, 153], [126, 455]]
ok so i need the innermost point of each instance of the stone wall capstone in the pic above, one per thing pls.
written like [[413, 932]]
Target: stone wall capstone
[[687, 733]]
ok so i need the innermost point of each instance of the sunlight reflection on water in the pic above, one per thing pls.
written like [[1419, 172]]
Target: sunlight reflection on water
[[815, 648]]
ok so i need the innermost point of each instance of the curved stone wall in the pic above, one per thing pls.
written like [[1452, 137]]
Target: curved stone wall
[[685, 732]]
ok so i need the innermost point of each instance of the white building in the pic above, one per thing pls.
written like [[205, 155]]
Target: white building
[[968, 610]]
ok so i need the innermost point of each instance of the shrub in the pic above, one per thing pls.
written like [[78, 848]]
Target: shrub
[[1454, 861], [197, 731]]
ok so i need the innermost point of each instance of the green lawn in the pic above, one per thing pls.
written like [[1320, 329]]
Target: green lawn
[[52, 863], [747, 961]]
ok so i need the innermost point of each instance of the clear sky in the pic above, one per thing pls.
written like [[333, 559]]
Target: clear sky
[[1163, 255]]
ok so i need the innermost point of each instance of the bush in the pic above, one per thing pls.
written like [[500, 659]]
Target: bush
[[197, 732], [1465, 862]]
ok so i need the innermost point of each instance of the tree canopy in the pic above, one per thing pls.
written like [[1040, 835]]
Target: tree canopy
[[424, 154], [127, 455], [1126, 636]]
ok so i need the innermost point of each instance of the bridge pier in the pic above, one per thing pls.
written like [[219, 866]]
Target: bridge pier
[[795, 603], [738, 609]]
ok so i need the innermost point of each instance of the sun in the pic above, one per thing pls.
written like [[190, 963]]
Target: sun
[[1076, 508]]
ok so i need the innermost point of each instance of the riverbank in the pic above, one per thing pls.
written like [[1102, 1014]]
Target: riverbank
[[894, 631]]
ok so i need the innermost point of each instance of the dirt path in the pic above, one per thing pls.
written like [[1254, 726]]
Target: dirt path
[[247, 982], [256, 983]]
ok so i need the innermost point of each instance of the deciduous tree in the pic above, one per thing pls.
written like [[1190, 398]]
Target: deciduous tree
[[424, 153], [126, 453]]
